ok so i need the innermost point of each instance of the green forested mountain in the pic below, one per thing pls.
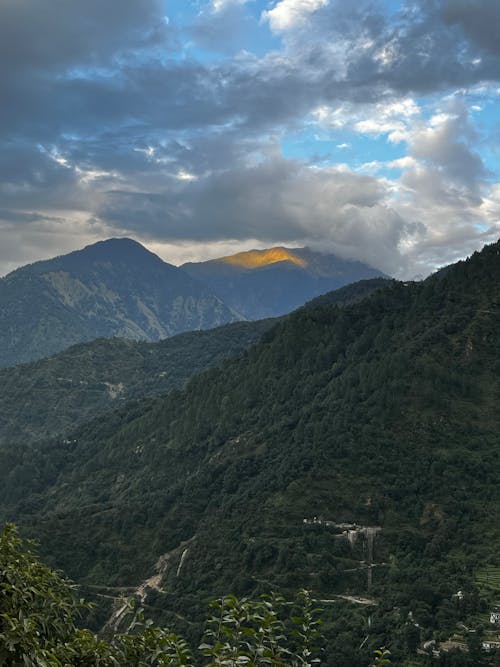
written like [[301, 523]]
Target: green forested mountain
[[272, 282], [355, 451], [349, 294], [53, 395], [111, 288]]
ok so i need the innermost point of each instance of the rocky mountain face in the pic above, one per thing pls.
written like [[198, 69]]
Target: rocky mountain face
[[111, 288], [268, 283]]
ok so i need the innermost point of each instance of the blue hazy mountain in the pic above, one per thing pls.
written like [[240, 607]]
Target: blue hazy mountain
[[112, 288], [275, 281]]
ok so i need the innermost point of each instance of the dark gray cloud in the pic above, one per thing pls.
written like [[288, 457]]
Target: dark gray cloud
[[276, 201], [423, 49], [37, 35], [49, 90], [479, 20], [31, 177], [76, 73]]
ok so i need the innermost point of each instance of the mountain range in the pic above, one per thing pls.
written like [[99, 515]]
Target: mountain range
[[51, 396], [112, 288], [267, 283], [353, 450], [117, 288]]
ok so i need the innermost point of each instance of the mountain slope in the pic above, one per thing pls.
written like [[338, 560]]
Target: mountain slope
[[112, 288], [272, 282], [51, 396], [348, 437]]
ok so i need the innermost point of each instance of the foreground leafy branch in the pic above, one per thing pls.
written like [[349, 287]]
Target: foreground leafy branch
[[39, 610], [267, 631]]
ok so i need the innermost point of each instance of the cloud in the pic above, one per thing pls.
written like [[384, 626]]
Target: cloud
[[288, 14], [115, 75], [276, 201], [402, 162], [224, 27], [63, 33], [221, 5], [112, 120], [479, 20], [444, 146], [31, 177], [445, 186], [392, 117], [367, 54], [42, 237]]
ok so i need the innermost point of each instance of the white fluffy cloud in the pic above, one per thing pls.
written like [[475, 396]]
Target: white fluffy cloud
[[444, 192], [289, 14], [221, 5], [391, 117]]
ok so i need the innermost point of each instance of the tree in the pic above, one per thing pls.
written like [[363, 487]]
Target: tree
[[267, 631], [39, 610], [38, 607], [382, 657]]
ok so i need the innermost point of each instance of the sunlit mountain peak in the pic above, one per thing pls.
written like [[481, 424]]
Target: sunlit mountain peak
[[254, 259]]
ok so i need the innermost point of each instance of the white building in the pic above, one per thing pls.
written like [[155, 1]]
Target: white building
[[495, 617]]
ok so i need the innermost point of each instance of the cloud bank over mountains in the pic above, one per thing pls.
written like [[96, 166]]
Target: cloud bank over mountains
[[366, 128]]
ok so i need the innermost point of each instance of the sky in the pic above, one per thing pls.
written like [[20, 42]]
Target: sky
[[370, 129]]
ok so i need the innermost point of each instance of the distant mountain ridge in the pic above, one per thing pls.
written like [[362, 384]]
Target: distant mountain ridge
[[118, 288], [112, 288], [275, 281], [253, 259]]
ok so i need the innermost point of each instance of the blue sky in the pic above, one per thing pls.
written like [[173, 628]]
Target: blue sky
[[204, 127]]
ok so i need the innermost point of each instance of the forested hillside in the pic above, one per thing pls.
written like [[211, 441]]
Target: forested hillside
[[53, 395], [355, 451]]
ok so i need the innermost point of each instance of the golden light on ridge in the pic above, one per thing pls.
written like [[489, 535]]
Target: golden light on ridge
[[254, 259]]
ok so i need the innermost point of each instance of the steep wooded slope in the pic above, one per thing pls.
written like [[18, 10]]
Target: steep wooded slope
[[52, 396]]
